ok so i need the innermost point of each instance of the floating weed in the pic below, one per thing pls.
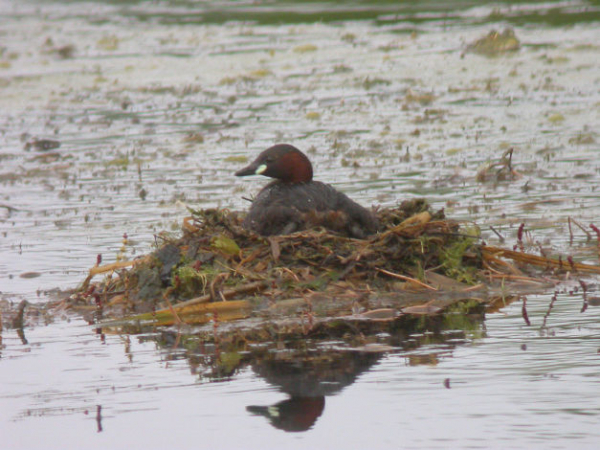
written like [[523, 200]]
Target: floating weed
[[583, 139], [556, 118], [306, 48], [452, 258], [120, 162], [108, 43]]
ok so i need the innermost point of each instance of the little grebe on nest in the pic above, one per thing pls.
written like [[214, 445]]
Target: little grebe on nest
[[293, 201]]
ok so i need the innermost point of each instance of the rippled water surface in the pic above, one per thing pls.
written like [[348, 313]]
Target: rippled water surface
[[155, 105]]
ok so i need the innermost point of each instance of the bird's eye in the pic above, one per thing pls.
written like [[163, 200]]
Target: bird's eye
[[269, 159]]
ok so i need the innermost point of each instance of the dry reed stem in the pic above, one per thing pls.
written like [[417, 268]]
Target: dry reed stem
[[492, 259], [535, 260], [228, 293], [108, 267], [405, 278], [225, 311]]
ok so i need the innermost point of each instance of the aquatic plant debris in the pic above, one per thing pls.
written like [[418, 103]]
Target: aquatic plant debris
[[419, 263], [495, 43]]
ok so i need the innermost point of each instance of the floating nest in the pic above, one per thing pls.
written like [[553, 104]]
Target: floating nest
[[310, 282]]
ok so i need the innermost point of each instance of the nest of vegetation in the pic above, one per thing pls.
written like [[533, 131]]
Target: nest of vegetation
[[418, 263]]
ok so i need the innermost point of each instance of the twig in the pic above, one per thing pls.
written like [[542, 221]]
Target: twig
[[289, 271], [170, 306], [405, 278], [249, 258], [491, 258], [582, 228], [220, 277], [486, 264], [106, 268], [474, 288], [521, 278], [113, 266], [497, 234]]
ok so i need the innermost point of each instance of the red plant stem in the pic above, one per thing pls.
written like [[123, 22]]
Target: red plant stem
[[572, 263], [570, 232], [548, 312], [585, 299], [520, 237], [524, 312]]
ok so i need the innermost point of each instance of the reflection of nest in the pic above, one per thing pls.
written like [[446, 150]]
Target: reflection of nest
[[418, 263]]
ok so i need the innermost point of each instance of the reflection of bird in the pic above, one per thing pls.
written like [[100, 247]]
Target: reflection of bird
[[293, 414], [294, 200]]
